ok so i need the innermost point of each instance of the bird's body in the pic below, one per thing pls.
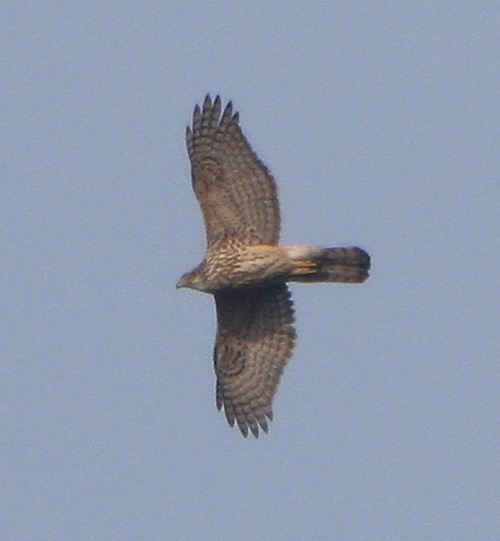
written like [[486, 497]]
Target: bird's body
[[232, 264], [245, 268]]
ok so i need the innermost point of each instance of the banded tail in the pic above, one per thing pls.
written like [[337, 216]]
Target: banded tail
[[314, 264]]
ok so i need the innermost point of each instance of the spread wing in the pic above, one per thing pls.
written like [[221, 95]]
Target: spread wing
[[255, 339], [236, 192]]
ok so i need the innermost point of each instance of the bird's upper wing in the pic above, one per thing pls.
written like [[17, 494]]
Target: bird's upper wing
[[236, 192], [255, 339]]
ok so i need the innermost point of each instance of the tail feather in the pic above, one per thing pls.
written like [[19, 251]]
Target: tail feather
[[315, 264]]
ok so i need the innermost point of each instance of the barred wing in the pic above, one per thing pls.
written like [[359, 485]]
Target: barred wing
[[255, 339], [236, 192]]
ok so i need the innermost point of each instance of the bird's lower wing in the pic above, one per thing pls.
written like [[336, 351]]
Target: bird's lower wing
[[255, 339]]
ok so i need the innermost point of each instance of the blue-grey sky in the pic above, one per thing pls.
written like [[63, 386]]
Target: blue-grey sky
[[380, 122]]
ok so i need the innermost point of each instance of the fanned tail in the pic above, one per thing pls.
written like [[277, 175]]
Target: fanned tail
[[314, 264]]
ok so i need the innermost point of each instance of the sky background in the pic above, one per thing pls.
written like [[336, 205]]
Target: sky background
[[380, 123]]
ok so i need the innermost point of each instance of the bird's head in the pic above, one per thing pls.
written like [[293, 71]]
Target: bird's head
[[193, 280]]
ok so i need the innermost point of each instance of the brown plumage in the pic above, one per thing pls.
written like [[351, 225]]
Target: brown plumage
[[246, 270]]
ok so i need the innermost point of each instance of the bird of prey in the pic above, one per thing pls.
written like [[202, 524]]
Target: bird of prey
[[246, 270]]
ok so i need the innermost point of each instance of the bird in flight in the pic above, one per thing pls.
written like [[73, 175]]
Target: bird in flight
[[246, 270]]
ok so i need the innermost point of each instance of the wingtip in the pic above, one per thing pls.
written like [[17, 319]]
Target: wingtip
[[228, 113], [196, 113], [216, 106], [244, 430]]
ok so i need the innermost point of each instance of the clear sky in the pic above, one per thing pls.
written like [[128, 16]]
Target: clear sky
[[380, 122]]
